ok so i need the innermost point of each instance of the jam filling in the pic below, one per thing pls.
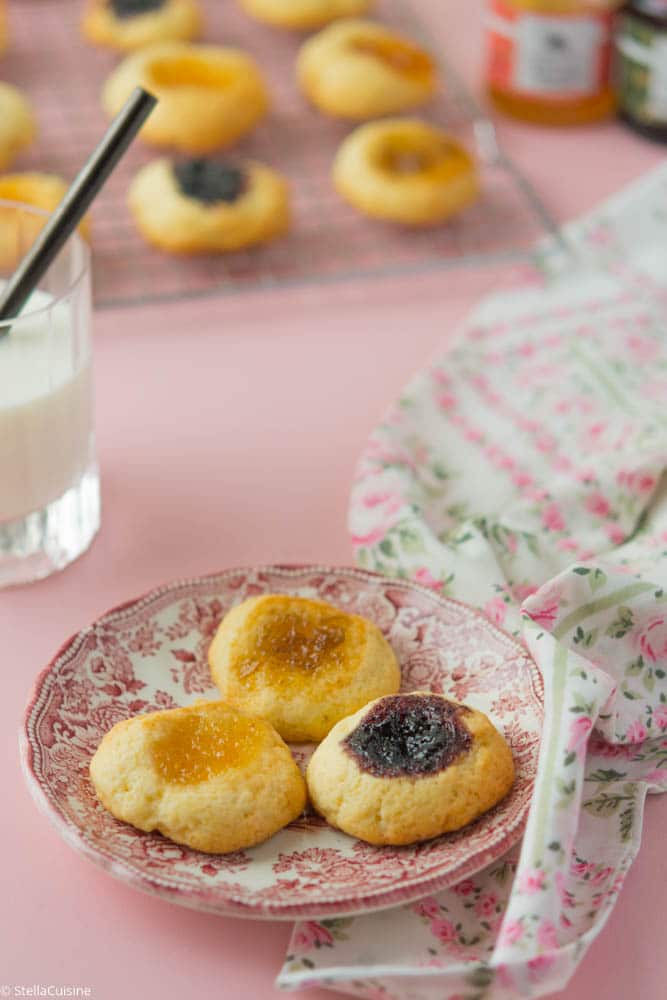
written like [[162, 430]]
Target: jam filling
[[192, 746], [209, 182], [405, 162], [134, 8], [295, 643], [401, 58], [408, 735]]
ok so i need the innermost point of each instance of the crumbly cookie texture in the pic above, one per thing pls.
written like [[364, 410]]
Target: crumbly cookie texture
[[409, 767], [299, 663], [206, 776]]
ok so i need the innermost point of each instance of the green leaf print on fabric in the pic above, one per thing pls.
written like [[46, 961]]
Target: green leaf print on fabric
[[605, 774], [622, 623], [585, 639], [605, 803]]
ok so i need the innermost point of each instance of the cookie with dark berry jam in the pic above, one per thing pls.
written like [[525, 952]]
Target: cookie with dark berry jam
[[130, 25], [209, 206], [409, 767]]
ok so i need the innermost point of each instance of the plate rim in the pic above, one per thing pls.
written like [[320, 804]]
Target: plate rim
[[384, 897]]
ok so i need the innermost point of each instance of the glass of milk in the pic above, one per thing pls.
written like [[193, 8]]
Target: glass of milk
[[49, 484]]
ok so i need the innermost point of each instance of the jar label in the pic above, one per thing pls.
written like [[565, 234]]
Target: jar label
[[555, 56]]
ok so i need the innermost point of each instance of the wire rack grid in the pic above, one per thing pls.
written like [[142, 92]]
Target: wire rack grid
[[62, 75]]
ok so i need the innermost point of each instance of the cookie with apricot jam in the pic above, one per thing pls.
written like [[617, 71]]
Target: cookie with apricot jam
[[206, 776], [301, 664]]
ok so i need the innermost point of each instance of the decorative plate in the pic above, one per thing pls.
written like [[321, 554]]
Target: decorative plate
[[150, 654]]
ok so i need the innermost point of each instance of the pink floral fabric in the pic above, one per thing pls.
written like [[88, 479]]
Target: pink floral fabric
[[524, 473]]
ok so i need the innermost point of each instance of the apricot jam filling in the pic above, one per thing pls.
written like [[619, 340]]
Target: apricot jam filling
[[292, 645], [404, 59], [405, 156], [406, 161], [189, 71], [17, 190], [408, 735], [192, 746]]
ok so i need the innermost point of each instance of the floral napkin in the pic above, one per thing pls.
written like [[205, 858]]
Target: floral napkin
[[523, 472]]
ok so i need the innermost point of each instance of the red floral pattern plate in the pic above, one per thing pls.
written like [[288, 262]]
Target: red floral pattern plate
[[150, 654]]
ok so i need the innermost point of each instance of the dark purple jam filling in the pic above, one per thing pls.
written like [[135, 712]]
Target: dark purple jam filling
[[409, 735], [133, 8], [209, 182]]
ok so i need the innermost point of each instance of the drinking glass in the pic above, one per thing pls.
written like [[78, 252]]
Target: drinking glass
[[49, 482]]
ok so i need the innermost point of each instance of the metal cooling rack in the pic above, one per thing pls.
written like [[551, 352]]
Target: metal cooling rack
[[63, 76]]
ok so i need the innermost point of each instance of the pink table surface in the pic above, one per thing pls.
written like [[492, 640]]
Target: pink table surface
[[228, 431]]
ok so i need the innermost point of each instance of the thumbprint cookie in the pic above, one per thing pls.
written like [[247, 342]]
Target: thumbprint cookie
[[359, 69], [126, 25], [204, 206], [299, 663], [17, 123], [208, 96], [303, 15], [205, 776], [406, 171], [44, 191], [409, 767]]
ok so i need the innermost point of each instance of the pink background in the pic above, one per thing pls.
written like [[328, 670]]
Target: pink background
[[228, 432]]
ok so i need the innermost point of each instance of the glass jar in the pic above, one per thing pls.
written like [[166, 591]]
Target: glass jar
[[641, 67], [548, 61]]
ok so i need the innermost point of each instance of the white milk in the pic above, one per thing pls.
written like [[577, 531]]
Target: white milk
[[45, 410]]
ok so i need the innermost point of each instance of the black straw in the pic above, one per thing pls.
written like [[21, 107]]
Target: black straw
[[75, 203]]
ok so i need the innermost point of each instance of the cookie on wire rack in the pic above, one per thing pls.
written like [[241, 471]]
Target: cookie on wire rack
[[126, 25], [208, 206], [17, 123], [405, 170], [360, 69], [208, 96], [303, 15]]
